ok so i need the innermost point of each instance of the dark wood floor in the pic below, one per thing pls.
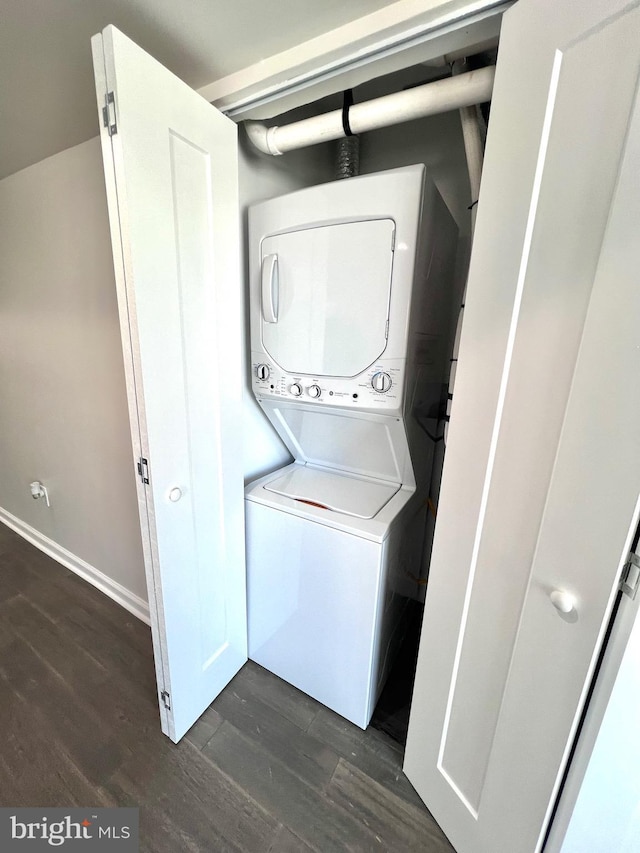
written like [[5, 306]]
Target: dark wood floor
[[265, 769]]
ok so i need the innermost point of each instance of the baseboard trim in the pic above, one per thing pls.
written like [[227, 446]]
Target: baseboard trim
[[127, 599]]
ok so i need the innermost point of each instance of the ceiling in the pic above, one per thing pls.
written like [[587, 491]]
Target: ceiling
[[47, 98]]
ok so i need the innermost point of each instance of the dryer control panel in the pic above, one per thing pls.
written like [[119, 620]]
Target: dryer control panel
[[379, 387]]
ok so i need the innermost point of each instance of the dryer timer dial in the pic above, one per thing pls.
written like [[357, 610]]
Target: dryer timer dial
[[262, 371], [381, 382]]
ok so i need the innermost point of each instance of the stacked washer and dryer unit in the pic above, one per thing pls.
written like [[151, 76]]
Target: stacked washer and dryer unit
[[349, 299]]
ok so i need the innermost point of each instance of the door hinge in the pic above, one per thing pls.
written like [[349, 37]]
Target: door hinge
[[393, 240], [166, 700], [631, 575], [109, 114], [143, 470]]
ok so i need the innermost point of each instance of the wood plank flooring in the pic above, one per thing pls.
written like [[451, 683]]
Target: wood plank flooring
[[266, 769]]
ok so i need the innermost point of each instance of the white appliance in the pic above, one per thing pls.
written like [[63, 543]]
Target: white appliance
[[349, 294]]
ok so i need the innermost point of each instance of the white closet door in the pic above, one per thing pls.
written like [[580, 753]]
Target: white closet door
[[542, 473], [171, 175]]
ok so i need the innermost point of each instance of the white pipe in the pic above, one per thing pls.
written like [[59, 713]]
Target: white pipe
[[474, 150], [452, 93], [473, 146]]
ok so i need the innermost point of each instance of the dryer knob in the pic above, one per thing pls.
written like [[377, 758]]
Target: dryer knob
[[262, 371], [381, 382], [314, 391], [295, 389]]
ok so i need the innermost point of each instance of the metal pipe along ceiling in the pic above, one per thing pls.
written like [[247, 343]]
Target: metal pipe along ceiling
[[451, 93]]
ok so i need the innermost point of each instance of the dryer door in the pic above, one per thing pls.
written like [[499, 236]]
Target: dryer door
[[325, 296]]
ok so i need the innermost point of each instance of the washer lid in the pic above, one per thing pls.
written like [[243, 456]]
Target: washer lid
[[345, 493], [366, 445]]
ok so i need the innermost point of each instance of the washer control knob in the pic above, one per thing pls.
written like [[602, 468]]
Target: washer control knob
[[381, 382], [314, 391], [295, 389], [262, 371]]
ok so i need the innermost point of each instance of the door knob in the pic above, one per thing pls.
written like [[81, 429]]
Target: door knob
[[563, 601], [175, 494]]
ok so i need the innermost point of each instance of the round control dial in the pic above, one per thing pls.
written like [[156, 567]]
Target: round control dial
[[381, 382], [295, 389], [314, 391], [262, 371]]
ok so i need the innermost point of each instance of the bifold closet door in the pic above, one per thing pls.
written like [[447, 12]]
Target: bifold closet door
[[171, 173], [541, 479]]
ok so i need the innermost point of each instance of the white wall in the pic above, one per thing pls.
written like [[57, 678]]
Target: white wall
[[63, 414]]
